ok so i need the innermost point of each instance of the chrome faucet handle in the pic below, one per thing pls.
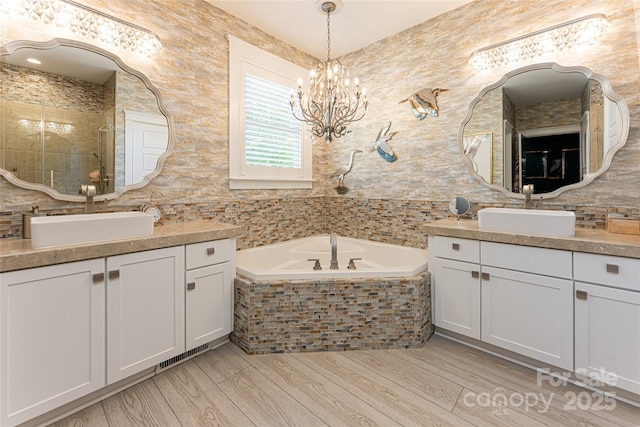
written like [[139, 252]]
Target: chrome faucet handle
[[316, 265], [352, 265]]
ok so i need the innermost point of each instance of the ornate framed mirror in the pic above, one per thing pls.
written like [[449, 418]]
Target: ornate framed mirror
[[74, 114], [553, 127]]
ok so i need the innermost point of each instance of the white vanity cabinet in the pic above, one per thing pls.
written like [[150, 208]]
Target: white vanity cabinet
[[145, 310], [607, 319], [456, 273], [527, 301], [515, 297], [52, 337], [209, 291]]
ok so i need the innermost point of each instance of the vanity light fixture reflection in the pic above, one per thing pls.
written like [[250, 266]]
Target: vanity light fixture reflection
[[88, 22], [38, 125], [577, 33]]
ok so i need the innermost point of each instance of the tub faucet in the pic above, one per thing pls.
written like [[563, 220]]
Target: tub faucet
[[334, 252]]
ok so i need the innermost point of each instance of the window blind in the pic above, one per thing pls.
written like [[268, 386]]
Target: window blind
[[272, 136]]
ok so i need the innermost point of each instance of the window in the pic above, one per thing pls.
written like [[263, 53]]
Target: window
[[267, 148]]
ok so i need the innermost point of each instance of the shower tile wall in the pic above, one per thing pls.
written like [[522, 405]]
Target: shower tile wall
[[72, 111]]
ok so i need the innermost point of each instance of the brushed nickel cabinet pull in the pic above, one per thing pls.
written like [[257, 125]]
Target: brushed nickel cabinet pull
[[98, 278], [613, 268], [581, 295], [455, 246], [191, 286], [485, 276], [114, 274], [475, 274], [211, 251]]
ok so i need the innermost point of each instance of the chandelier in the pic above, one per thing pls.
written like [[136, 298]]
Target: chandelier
[[332, 102]]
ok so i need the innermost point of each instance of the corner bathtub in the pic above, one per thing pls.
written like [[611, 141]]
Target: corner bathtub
[[289, 260], [282, 305]]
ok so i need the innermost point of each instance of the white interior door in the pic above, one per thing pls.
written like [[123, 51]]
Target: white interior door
[[585, 153], [610, 124], [146, 138], [508, 155]]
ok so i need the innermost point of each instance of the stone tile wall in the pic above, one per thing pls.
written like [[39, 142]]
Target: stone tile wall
[[330, 315], [387, 201]]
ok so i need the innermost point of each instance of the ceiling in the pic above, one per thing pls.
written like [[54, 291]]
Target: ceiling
[[303, 24], [544, 85], [66, 61]]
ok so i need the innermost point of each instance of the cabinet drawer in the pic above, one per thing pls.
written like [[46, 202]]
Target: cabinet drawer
[[209, 253], [607, 270], [547, 262], [457, 249]]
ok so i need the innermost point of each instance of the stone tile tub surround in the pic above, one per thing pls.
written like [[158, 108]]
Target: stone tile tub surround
[[331, 315], [283, 305]]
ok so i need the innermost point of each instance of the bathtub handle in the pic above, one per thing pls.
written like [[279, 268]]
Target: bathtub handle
[[352, 265], [316, 265]]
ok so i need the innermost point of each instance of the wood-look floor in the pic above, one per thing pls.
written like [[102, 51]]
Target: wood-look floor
[[444, 384]]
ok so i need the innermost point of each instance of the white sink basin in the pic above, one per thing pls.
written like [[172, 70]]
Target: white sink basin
[[89, 228], [528, 221]]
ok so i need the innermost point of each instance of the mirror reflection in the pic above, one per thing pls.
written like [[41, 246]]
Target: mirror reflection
[[459, 206], [72, 116], [545, 125]]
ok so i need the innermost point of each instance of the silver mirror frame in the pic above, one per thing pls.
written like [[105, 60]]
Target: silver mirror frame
[[20, 44], [459, 201], [607, 90]]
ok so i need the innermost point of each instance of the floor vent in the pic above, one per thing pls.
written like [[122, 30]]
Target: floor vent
[[181, 357]]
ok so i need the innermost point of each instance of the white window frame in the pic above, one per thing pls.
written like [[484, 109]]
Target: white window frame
[[246, 58]]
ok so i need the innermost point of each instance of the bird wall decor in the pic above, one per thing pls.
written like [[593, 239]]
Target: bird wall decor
[[423, 103], [342, 171], [381, 144]]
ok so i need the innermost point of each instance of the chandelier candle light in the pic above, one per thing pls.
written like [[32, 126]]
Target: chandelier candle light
[[331, 103]]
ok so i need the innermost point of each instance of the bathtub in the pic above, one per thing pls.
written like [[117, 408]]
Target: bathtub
[[289, 260], [282, 305]]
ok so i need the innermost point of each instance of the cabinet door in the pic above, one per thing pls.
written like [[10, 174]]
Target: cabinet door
[[52, 337], [145, 310], [529, 314], [209, 303], [607, 326], [457, 297]]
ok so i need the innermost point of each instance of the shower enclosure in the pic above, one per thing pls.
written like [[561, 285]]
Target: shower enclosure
[[57, 131], [57, 147]]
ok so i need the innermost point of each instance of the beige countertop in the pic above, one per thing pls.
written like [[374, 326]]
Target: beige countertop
[[17, 254], [585, 240]]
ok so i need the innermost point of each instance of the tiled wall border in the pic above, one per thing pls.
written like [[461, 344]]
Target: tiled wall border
[[266, 221]]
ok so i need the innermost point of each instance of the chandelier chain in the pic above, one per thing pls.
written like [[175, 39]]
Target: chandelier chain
[[328, 36]]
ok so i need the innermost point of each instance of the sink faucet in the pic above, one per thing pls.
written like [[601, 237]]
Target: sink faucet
[[527, 190], [89, 191], [334, 252]]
